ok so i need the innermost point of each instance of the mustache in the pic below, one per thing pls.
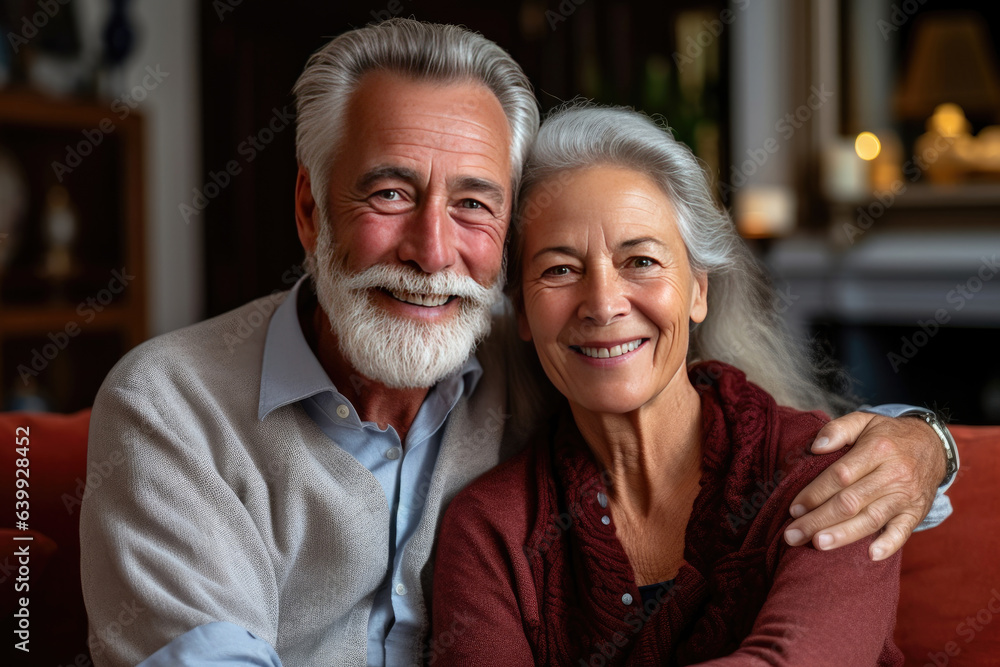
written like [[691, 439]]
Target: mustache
[[405, 279]]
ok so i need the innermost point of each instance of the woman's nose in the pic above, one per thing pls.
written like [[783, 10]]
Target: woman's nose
[[604, 300]]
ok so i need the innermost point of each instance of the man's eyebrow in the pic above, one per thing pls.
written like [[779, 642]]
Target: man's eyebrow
[[481, 185], [370, 177]]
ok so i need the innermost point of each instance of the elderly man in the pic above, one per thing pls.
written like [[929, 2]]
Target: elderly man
[[281, 497]]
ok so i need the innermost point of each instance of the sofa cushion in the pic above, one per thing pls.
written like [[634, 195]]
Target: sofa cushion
[[949, 603]]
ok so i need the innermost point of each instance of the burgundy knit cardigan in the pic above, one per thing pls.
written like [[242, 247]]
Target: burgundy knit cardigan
[[529, 569]]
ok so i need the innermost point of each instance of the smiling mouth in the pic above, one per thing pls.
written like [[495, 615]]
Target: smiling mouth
[[425, 300], [609, 352]]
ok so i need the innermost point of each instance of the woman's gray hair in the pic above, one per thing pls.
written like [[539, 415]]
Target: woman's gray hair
[[424, 51], [743, 327]]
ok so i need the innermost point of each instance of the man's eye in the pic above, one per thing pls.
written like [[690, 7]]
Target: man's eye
[[472, 203], [388, 195], [557, 271]]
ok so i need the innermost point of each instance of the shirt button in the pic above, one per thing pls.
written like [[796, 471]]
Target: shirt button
[[602, 499], [627, 599], [605, 519], [343, 411], [392, 454], [401, 589]]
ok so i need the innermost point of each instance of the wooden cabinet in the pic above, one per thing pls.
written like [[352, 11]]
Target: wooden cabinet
[[65, 320]]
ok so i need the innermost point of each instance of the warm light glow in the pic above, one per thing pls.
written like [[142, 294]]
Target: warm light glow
[[949, 120], [867, 146]]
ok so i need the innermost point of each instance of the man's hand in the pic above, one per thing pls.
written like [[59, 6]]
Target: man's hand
[[888, 479]]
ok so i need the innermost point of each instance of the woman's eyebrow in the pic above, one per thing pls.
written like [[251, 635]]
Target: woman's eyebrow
[[559, 250], [631, 243]]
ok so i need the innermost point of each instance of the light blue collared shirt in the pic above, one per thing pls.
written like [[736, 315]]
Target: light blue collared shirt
[[291, 373]]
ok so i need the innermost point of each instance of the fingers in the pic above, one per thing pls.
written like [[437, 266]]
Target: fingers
[[841, 432], [856, 465], [897, 531], [884, 481], [868, 521], [861, 506]]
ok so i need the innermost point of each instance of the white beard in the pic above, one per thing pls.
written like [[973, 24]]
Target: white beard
[[399, 352]]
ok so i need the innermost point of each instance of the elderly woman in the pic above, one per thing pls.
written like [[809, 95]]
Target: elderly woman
[[645, 525]]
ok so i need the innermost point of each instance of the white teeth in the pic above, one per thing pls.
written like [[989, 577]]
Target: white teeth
[[429, 300], [606, 353]]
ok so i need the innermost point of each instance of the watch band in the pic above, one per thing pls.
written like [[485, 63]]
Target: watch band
[[938, 426]]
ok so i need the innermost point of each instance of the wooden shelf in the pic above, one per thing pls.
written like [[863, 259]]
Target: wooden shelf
[[107, 191], [42, 320]]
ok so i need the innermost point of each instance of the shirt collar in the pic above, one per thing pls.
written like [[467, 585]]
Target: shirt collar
[[290, 371]]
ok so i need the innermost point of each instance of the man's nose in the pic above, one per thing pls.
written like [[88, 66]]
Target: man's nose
[[603, 300], [429, 244]]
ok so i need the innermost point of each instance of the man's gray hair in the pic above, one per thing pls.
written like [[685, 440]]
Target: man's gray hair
[[743, 327], [420, 50]]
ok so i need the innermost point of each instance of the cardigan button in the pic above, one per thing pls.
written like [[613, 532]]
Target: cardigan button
[[627, 598], [606, 520], [602, 499]]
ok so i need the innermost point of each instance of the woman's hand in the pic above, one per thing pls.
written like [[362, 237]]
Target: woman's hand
[[889, 479]]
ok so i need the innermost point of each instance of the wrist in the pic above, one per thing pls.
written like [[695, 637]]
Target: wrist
[[937, 425]]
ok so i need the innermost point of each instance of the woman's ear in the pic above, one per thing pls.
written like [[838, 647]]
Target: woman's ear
[[699, 296]]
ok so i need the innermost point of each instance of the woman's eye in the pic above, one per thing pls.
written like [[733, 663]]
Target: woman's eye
[[473, 204], [557, 271], [641, 262]]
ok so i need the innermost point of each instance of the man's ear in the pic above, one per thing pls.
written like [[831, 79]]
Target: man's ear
[[306, 214]]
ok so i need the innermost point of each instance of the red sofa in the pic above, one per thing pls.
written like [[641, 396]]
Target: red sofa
[[949, 608]]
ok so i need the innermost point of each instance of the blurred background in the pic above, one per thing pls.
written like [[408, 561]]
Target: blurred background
[[147, 165]]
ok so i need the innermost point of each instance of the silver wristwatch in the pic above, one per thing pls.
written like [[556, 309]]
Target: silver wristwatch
[[950, 449]]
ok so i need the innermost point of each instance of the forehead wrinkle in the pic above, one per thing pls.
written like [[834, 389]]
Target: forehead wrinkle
[[485, 155], [446, 133]]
